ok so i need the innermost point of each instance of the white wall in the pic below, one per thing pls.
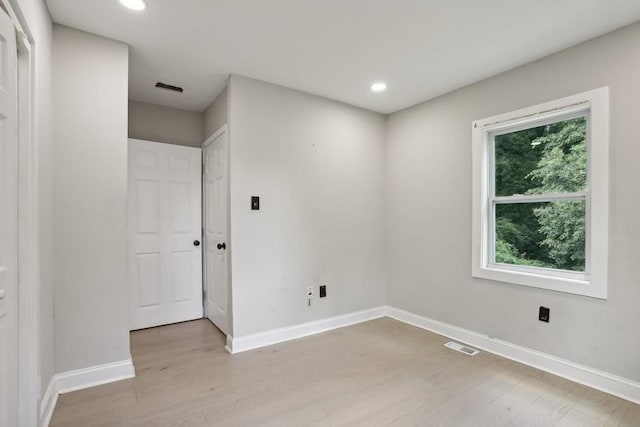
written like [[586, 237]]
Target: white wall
[[317, 166], [37, 17], [429, 211], [163, 124], [215, 116], [90, 85]]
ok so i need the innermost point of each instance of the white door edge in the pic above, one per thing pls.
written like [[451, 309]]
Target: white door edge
[[218, 298], [222, 129]]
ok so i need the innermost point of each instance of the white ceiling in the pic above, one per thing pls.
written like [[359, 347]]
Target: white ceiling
[[337, 48]]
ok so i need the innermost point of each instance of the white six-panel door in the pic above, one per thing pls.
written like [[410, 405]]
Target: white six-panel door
[[165, 258], [215, 232], [8, 226]]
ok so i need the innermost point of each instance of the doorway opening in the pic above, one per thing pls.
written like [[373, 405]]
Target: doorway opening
[[178, 233]]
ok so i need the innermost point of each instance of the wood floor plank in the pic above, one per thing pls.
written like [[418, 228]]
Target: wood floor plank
[[377, 373], [631, 416], [560, 396]]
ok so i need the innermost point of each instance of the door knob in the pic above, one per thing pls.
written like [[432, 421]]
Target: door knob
[[196, 243], [222, 246]]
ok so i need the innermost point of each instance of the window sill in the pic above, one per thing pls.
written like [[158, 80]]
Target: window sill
[[585, 287]]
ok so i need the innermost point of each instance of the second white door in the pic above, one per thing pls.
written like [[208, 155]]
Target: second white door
[[215, 232], [165, 255]]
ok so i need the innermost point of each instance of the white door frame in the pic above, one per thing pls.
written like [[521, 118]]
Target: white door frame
[[28, 225], [207, 142]]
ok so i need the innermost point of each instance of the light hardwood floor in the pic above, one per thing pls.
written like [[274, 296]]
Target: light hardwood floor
[[379, 373]]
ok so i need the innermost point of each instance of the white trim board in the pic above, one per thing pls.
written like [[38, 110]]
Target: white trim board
[[48, 403], [275, 336], [590, 377], [594, 378], [94, 375], [28, 231], [79, 379]]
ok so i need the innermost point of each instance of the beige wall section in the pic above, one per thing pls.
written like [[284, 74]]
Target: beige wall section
[[39, 23], [429, 211], [90, 81], [316, 165], [215, 116], [163, 124]]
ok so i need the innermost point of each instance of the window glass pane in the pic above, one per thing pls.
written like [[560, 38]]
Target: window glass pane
[[547, 234], [543, 159]]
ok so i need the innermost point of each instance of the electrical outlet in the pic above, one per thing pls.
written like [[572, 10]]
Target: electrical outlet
[[309, 295], [323, 291], [543, 314]]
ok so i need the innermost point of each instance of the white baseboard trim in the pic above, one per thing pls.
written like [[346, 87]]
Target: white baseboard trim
[[229, 345], [590, 377], [79, 379], [48, 403], [275, 336], [95, 375], [594, 378]]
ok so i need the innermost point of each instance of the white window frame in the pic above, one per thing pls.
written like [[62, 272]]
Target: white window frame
[[594, 105]]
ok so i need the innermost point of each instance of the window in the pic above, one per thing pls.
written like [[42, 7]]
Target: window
[[540, 207]]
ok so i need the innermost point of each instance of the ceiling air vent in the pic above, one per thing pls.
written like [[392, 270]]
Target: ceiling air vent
[[461, 348], [169, 87]]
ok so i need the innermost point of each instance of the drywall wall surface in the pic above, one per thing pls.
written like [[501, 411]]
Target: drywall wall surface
[[215, 116], [151, 122], [38, 20], [316, 166], [90, 95], [428, 206]]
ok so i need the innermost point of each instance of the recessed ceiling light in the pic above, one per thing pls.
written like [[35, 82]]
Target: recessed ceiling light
[[134, 4], [378, 87]]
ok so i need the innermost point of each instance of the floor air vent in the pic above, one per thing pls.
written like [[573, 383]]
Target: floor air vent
[[462, 348]]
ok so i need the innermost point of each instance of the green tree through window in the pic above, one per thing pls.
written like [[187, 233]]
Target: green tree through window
[[537, 161]]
